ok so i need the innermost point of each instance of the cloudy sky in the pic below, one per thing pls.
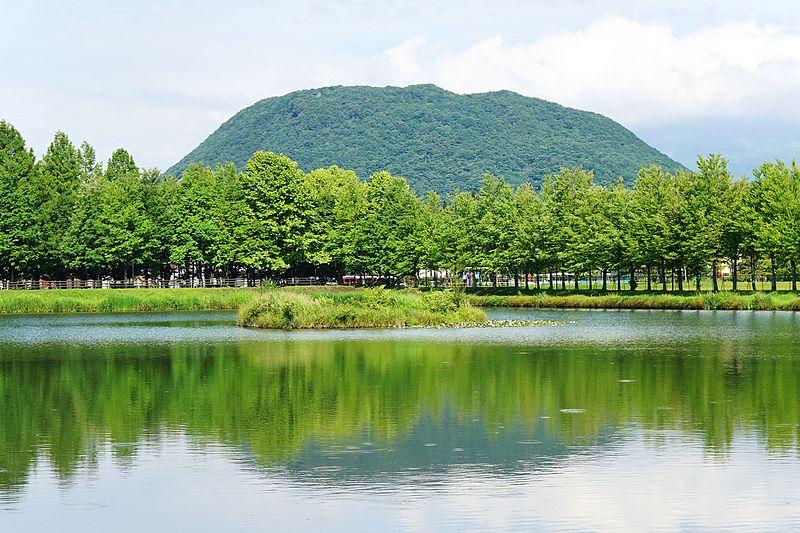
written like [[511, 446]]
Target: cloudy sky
[[157, 77]]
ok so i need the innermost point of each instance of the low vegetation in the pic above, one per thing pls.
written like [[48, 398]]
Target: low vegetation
[[347, 307], [368, 308], [779, 301], [121, 300]]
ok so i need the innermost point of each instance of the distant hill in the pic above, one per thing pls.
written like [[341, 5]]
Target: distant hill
[[435, 138]]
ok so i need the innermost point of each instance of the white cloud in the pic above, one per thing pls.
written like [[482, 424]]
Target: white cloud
[[633, 71], [158, 77]]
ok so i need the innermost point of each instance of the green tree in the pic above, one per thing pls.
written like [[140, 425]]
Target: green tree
[[777, 203], [528, 244], [121, 165], [654, 197], [431, 233], [563, 196], [388, 231], [700, 216], [333, 200], [274, 194], [46, 203], [16, 166], [198, 232]]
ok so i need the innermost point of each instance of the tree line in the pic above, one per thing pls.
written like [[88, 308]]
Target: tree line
[[67, 215]]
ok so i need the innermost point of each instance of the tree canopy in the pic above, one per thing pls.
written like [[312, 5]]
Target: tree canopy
[[66, 215]]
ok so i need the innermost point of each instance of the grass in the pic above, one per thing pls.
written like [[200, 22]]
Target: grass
[[376, 307], [779, 301], [367, 308], [121, 300]]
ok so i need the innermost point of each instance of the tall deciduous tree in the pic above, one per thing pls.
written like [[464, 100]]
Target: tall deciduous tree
[[388, 231], [274, 193], [16, 166], [47, 201]]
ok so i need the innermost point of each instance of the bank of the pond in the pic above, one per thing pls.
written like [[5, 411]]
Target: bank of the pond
[[367, 308], [122, 300], [362, 309], [778, 301]]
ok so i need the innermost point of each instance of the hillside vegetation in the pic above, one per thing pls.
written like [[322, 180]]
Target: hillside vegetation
[[436, 139]]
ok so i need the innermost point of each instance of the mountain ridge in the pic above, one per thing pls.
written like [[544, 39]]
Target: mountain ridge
[[435, 138]]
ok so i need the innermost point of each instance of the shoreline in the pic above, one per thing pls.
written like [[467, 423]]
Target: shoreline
[[720, 301], [63, 301]]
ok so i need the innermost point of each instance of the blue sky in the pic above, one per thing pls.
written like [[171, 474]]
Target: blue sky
[[158, 77]]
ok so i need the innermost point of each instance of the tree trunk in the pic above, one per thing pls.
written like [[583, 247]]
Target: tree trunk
[[576, 281], [538, 282], [663, 279], [794, 275], [697, 282], [591, 274], [563, 281], [735, 278], [680, 279], [632, 281], [774, 274], [550, 281], [605, 280], [527, 281], [753, 272], [649, 280], [714, 283]]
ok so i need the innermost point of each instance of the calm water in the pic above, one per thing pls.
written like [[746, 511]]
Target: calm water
[[611, 420]]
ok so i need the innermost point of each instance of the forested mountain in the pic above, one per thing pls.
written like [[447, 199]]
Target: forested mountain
[[434, 138]]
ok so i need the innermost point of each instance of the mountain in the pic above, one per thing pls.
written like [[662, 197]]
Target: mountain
[[435, 138]]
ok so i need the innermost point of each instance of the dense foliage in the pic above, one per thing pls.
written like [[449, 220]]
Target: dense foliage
[[438, 140], [65, 215]]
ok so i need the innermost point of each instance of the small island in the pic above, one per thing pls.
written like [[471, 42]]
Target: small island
[[368, 308]]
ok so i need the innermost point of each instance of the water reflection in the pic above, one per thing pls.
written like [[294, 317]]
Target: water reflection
[[338, 409], [610, 420]]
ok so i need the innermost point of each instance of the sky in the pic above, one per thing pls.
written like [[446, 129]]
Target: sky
[[157, 77]]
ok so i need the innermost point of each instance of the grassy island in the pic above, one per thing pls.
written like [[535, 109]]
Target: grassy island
[[367, 308]]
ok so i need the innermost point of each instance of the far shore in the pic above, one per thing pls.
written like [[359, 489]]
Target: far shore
[[200, 299]]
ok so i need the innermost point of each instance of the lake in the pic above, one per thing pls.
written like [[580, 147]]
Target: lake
[[608, 420]]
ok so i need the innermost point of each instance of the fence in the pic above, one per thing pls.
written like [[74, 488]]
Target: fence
[[44, 284], [141, 283]]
